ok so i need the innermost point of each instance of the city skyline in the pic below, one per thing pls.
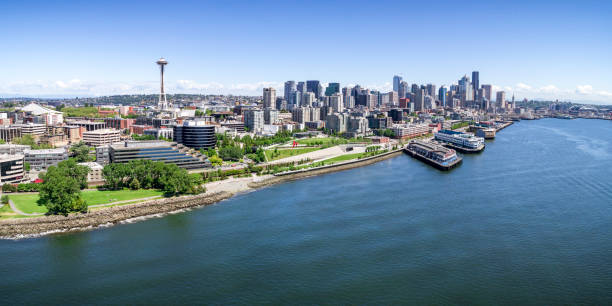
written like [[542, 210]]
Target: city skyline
[[539, 51]]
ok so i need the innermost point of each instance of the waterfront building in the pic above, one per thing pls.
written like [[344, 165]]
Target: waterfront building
[[8, 133], [269, 97], [11, 169], [197, 134], [101, 137], [410, 130], [42, 159], [155, 150], [357, 127], [460, 139]]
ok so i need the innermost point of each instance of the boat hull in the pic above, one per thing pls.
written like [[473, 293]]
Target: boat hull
[[464, 150], [433, 162]]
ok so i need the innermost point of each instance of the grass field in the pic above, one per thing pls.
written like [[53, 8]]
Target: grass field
[[344, 157], [288, 152], [27, 202]]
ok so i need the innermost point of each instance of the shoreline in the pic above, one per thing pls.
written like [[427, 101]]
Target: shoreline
[[216, 192]]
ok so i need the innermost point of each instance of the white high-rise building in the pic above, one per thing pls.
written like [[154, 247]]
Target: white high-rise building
[[501, 99]]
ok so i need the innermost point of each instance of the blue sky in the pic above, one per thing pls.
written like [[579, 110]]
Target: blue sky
[[536, 49]]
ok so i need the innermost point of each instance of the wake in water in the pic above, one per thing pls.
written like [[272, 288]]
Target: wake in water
[[598, 148]]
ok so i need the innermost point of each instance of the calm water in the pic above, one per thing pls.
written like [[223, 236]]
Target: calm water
[[527, 221]]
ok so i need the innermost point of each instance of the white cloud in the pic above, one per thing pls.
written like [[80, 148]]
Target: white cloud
[[549, 89], [523, 87], [584, 89]]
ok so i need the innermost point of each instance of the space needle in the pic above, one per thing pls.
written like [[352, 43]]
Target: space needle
[[163, 103]]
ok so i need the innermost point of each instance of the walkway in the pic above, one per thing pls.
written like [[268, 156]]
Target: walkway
[[19, 212]]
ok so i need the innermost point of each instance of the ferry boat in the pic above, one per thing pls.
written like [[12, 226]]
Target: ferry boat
[[462, 142], [433, 154]]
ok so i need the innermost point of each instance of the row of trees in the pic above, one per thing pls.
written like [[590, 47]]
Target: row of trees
[[147, 174]]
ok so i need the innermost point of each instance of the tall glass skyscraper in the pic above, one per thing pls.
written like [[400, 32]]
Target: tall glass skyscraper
[[396, 83]]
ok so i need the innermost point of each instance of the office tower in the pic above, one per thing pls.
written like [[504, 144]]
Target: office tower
[[475, 81], [332, 88], [501, 99], [414, 89], [419, 100], [487, 91], [301, 87], [442, 96], [431, 90], [254, 120], [296, 99], [195, 134], [349, 99], [308, 98], [289, 89], [396, 83], [466, 90], [269, 97], [162, 104], [403, 89], [336, 102], [313, 86]]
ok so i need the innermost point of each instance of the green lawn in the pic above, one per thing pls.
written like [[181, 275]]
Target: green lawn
[[344, 157], [27, 202], [316, 141], [288, 152]]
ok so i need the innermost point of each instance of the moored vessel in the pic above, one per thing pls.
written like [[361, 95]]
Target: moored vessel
[[436, 155], [462, 142]]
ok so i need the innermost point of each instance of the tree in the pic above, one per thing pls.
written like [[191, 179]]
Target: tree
[[4, 199], [26, 166], [134, 184], [60, 191], [230, 153], [80, 152], [215, 160]]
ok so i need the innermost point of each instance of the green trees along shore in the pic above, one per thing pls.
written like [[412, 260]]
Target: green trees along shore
[[60, 191]]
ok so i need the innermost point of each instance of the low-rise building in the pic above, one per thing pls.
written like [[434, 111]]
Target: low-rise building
[[167, 152], [8, 133], [42, 159], [95, 172], [11, 169], [101, 137]]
